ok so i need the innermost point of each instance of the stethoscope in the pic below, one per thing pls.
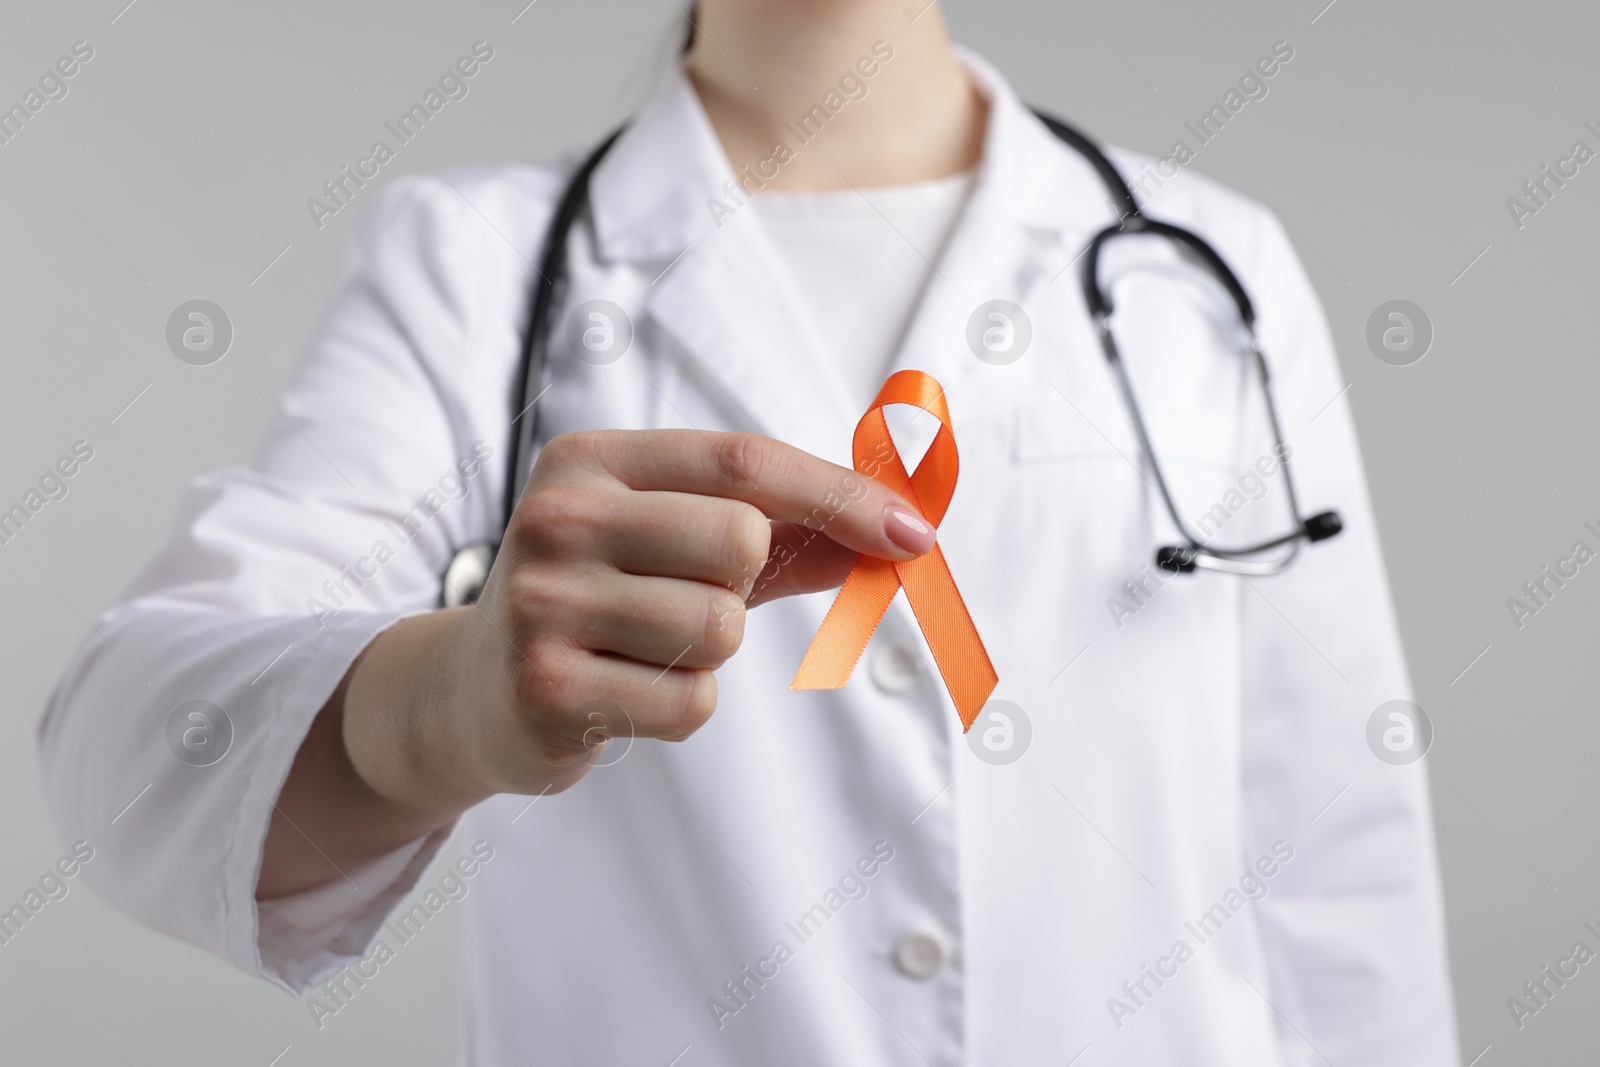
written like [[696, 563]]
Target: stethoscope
[[469, 569]]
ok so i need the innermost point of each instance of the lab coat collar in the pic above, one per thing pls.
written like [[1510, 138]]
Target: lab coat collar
[[716, 282], [650, 196]]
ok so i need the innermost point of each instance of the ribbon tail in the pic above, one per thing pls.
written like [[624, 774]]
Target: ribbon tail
[[848, 626], [951, 634]]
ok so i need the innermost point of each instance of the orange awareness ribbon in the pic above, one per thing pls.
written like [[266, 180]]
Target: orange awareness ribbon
[[867, 592]]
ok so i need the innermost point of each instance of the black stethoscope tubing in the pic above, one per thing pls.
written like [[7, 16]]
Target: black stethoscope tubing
[[470, 566]]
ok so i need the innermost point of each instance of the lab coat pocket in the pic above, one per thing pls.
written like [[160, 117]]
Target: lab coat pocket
[[1055, 429]]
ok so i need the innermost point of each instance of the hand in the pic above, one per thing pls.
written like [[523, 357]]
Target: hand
[[621, 585], [623, 582]]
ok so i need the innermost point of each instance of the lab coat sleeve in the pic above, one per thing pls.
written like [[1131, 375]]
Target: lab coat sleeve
[[275, 578], [1353, 927]]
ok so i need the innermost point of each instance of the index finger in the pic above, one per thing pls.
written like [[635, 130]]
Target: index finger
[[784, 482]]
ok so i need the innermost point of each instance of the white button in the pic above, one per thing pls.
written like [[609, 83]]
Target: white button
[[919, 955], [896, 668]]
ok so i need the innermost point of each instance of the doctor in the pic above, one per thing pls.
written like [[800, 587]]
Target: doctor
[[1180, 849]]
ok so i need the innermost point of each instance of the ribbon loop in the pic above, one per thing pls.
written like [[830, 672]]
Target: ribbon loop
[[931, 590]]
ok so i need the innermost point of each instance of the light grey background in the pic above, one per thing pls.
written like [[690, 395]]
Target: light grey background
[[178, 168]]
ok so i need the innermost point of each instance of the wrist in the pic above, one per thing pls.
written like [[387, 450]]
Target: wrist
[[404, 717]]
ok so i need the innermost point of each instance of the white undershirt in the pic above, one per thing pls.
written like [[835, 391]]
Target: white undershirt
[[859, 261]]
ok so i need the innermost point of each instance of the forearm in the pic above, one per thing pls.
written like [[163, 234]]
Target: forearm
[[376, 769]]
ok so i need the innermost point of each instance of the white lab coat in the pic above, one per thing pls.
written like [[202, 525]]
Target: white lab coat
[[1166, 761]]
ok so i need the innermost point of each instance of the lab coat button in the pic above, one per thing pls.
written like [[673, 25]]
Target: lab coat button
[[896, 668], [919, 955]]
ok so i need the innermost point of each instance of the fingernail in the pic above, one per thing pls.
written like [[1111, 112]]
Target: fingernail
[[908, 530]]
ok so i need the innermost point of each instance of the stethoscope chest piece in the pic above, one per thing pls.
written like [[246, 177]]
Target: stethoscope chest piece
[[466, 576]]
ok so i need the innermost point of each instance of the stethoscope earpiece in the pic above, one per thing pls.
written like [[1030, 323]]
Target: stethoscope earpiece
[[1175, 559], [1323, 525], [1186, 559]]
